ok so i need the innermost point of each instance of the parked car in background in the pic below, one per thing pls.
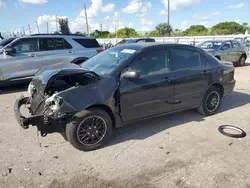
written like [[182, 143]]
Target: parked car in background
[[129, 41], [229, 50], [6, 41], [120, 85], [22, 58]]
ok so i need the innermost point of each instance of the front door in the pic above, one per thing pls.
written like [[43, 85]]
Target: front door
[[22, 63], [226, 52], [191, 77], [150, 94]]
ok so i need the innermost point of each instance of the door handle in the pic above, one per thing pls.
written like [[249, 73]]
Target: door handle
[[204, 72], [169, 80], [70, 52], [32, 55]]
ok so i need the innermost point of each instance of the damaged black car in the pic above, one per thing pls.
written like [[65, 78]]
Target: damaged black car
[[122, 85]]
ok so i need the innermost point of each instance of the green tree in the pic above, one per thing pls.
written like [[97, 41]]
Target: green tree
[[64, 26], [163, 29], [80, 33], [196, 30], [126, 33], [99, 34], [245, 24], [227, 28]]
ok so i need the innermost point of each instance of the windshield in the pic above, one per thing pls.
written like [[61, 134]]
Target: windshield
[[4, 42], [106, 62], [210, 45]]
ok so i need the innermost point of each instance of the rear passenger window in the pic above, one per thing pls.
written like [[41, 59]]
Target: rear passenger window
[[47, 44], [88, 43], [185, 58]]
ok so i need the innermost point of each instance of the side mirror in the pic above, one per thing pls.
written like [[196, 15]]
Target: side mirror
[[9, 51], [130, 75]]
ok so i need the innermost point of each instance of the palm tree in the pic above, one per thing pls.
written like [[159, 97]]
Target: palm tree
[[164, 29]]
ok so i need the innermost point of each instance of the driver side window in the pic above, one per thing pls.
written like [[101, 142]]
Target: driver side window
[[226, 46], [155, 62], [26, 45]]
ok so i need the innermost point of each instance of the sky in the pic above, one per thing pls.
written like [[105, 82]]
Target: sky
[[143, 15]]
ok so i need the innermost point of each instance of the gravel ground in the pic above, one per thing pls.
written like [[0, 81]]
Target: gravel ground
[[180, 150]]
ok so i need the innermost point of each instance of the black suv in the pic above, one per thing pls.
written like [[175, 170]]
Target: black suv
[[121, 85]]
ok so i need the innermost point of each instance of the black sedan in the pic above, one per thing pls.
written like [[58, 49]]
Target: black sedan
[[121, 85]]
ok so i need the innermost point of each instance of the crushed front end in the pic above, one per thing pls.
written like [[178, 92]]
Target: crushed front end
[[47, 107]]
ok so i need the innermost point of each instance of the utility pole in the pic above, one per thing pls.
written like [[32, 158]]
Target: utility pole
[[56, 24], [37, 28], [86, 16], [29, 29], [24, 32], [47, 27], [101, 27], [169, 18]]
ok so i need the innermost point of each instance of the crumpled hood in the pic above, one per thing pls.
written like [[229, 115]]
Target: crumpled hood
[[44, 75]]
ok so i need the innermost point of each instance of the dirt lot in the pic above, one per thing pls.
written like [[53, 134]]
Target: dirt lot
[[181, 150]]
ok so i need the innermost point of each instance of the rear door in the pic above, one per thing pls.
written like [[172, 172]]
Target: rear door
[[54, 50], [152, 93], [191, 77], [23, 63]]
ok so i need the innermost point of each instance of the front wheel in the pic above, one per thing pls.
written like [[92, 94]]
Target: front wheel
[[89, 131], [242, 60], [210, 102]]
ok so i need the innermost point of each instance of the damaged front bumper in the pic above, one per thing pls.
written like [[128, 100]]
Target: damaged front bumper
[[21, 119], [45, 124]]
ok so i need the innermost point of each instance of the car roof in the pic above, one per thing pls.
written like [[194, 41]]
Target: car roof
[[56, 36], [155, 44]]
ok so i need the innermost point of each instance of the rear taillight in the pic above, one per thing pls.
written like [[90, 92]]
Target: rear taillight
[[99, 51]]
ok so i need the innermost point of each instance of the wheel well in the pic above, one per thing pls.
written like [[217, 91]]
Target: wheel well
[[106, 109], [79, 60], [220, 87], [218, 57], [245, 55]]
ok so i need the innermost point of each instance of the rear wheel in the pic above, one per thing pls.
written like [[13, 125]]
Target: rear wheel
[[89, 131], [242, 61], [210, 102]]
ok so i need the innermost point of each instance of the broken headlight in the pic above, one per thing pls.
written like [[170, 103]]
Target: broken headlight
[[54, 103], [31, 89]]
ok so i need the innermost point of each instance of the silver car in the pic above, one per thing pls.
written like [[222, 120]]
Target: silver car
[[229, 50], [22, 58]]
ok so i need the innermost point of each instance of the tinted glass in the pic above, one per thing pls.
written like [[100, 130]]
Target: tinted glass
[[150, 40], [155, 62], [4, 42], [106, 62], [88, 43], [47, 44], [185, 58], [25, 45]]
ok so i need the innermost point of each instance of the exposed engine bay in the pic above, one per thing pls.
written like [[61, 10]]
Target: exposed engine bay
[[64, 82]]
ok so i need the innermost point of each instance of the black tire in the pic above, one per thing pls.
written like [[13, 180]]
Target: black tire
[[77, 127], [242, 60], [207, 109]]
